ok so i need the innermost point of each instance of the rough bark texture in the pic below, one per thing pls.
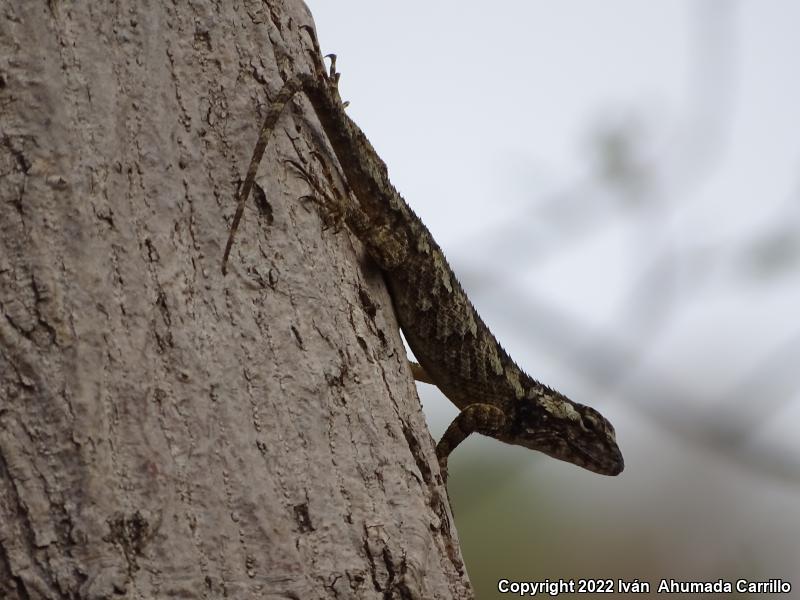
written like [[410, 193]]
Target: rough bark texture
[[165, 431]]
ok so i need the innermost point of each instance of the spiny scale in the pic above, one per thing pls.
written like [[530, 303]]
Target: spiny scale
[[453, 345]]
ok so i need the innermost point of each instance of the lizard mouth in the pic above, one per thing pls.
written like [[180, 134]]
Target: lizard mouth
[[610, 464], [613, 463]]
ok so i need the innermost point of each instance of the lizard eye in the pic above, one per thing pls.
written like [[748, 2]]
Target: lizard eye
[[590, 425]]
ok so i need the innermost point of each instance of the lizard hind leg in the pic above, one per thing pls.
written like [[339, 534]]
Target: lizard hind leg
[[334, 75], [337, 207], [386, 245], [333, 208]]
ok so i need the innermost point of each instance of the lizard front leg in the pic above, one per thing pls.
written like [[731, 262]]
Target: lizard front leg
[[475, 418], [420, 374]]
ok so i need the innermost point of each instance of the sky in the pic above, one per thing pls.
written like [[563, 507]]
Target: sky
[[616, 185]]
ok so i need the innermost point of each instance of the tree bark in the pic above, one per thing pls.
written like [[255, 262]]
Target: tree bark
[[164, 430]]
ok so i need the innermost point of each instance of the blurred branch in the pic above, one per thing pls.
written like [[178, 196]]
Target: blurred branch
[[632, 178], [633, 173]]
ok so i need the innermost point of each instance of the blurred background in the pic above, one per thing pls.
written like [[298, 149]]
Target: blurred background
[[617, 185]]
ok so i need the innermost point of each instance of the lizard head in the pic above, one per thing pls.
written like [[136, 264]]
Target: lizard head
[[552, 423]]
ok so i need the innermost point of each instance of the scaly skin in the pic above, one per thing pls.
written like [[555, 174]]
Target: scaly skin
[[453, 345]]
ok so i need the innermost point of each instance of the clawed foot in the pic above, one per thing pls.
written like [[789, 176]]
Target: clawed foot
[[480, 418], [333, 208], [333, 76]]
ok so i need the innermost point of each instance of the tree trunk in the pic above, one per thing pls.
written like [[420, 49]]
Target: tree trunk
[[164, 430]]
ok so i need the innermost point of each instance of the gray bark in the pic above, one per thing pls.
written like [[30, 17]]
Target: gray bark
[[165, 431]]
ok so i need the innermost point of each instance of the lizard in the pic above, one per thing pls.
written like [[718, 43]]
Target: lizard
[[456, 350]]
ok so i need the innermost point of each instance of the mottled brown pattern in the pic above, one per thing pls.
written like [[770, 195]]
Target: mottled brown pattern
[[453, 345]]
